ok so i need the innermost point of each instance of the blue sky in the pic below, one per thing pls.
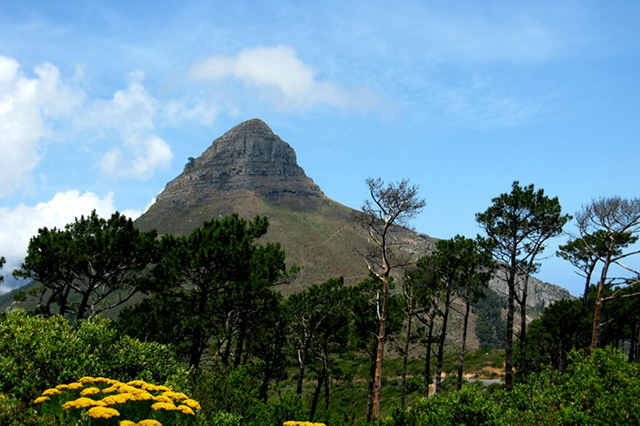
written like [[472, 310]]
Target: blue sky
[[101, 103]]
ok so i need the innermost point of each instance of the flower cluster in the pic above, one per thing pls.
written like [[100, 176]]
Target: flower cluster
[[106, 398], [294, 423]]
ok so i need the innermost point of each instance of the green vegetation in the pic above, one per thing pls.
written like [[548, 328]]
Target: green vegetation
[[214, 326], [595, 390]]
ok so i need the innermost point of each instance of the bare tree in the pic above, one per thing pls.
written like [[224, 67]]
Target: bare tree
[[606, 225], [390, 204]]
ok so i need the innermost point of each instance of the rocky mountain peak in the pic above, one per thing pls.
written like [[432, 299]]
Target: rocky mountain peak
[[248, 157]]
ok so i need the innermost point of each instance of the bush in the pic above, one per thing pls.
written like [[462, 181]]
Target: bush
[[469, 406], [102, 401], [37, 353]]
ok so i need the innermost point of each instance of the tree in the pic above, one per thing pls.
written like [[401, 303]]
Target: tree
[[475, 274], [365, 315], [519, 224], [213, 271], [461, 267], [606, 226], [427, 291], [392, 204], [103, 261], [313, 309], [584, 253]]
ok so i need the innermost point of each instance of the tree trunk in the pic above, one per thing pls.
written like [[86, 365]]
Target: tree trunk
[[377, 384], [196, 343], [302, 360], [84, 303], [523, 326], [63, 301], [266, 378], [583, 308], [327, 379], [464, 342], [372, 373], [316, 394], [595, 333], [242, 332], [443, 335], [508, 345], [406, 349]]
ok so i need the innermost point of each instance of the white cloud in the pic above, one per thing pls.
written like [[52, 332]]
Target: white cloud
[[26, 104], [279, 74], [19, 224], [129, 118], [177, 110]]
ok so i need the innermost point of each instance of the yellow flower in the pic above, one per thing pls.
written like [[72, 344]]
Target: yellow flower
[[163, 398], [87, 379], [120, 398], [83, 403], [164, 406], [90, 391], [142, 396], [51, 392], [176, 396], [162, 388], [192, 404], [75, 385], [186, 410], [62, 387], [127, 423], [129, 389], [137, 383], [41, 399], [149, 422], [102, 412], [110, 389]]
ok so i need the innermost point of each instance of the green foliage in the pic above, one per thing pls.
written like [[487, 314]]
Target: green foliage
[[38, 353], [469, 406], [91, 258], [216, 275], [600, 390], [596, 390], [490, 327], [231, 396]]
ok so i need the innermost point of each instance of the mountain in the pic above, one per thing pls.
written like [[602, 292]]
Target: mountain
[[251, 171]]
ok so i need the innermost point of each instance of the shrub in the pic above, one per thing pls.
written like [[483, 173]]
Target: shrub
[[38, 352], [103, 401]]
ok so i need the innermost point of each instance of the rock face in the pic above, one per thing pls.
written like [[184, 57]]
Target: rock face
[[539, 294], [248, 157]]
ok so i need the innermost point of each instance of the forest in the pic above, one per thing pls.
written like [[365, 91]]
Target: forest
[[131, 328]]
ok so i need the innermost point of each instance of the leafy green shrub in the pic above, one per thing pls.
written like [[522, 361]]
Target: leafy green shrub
[[38, 353], [469, 406]]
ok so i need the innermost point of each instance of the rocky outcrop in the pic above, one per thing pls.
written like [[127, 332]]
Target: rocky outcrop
[[248, 157], [539, 294]]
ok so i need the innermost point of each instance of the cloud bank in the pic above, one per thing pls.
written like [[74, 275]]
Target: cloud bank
[[278, 73], [26, 105], [129, 118]]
